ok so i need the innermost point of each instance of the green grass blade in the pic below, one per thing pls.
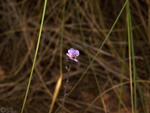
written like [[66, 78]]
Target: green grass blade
[[141, 97], [22, 6], [134, 70], [133, 63], [146, 62], [131, 50], [37, 47]]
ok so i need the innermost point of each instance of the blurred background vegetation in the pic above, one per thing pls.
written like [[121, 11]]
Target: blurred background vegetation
[[86, 25]]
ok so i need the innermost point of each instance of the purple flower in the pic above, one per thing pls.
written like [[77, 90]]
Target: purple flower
[[72, 54]]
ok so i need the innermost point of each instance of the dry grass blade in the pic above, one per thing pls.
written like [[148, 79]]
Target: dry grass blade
[[20, 24], [56, 93]]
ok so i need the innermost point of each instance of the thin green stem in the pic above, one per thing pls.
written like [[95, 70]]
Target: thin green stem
[[146, 62], [22, 6], [134, 70], [61, 36], [61, 51], [130, 44], [37, 47]]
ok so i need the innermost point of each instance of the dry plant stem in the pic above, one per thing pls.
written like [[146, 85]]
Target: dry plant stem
[[129, 50], [65, 90]]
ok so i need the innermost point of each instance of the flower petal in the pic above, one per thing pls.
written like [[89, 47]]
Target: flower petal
[[72, 54], [76, 53], [70, 51], [75, 60]]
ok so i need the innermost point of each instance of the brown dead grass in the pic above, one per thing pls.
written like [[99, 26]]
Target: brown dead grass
[[18, 37]]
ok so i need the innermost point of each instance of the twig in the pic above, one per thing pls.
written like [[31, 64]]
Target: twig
[[68, 67]]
